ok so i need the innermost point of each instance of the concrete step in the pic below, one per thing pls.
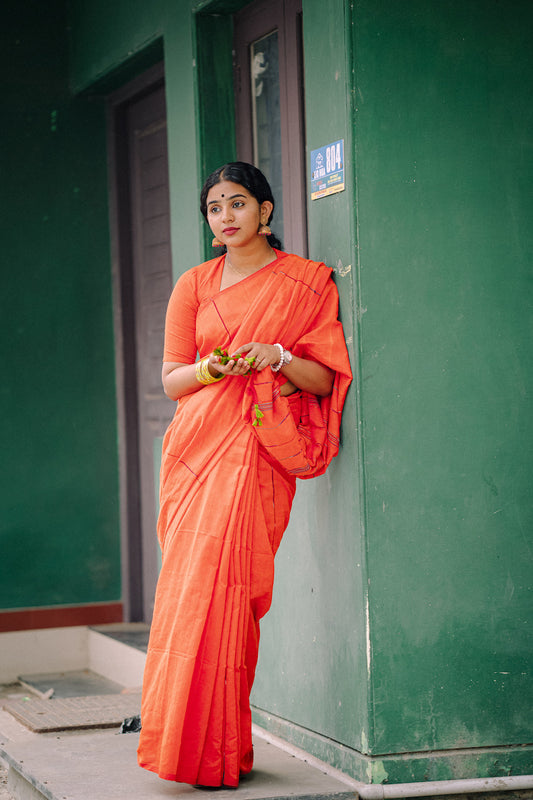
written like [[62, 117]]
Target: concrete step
[[102, 765], [75, 763]]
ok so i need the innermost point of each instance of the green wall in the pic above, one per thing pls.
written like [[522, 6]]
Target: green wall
[[313, 657], [443, 121], [438, 553], [59, 534]]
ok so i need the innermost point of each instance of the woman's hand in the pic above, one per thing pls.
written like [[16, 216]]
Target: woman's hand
[[180, 379], [266, 355], [235, 366]]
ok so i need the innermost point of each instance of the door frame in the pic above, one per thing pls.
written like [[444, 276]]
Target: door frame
[[124, 330], [256, 19]]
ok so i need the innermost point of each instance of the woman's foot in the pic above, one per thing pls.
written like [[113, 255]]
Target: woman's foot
[[212, 788]]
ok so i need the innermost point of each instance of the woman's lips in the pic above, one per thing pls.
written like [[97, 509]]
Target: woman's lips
[[230, 231]]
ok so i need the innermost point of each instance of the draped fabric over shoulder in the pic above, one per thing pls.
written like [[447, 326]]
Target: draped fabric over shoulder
[[226, 492]]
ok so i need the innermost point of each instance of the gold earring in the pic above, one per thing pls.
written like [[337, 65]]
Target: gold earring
[[264, 230], [216, 243]]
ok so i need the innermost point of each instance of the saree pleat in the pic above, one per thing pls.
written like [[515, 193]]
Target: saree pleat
[[225, 500]]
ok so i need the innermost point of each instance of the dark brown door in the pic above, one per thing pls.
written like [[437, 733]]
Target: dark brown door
[[269, 108], [152, 278], [143, 282]]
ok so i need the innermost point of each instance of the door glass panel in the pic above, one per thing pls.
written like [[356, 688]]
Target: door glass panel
[[266, 121]]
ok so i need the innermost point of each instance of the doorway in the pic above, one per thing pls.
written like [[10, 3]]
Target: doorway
[[143, 282], [269, 108]]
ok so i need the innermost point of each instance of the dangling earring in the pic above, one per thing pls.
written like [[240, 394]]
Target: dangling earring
[[264, 230], [216, 243]]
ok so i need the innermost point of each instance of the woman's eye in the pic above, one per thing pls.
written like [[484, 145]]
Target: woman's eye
[[214, 209], [238, 204]]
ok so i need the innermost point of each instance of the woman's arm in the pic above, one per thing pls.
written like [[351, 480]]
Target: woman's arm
[[302, 373], [311, 376], [180, 379]]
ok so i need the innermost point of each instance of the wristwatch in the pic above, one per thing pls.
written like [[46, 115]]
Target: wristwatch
[[287, 356]]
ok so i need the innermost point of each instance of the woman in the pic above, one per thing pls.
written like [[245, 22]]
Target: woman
[[243, 429]]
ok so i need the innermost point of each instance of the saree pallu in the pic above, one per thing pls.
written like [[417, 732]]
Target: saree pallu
[[226, 492]]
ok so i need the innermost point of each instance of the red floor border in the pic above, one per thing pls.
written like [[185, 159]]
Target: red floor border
[[60, 617]]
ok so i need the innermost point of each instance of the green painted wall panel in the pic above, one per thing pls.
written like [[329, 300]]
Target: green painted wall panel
[[105, 36], [59, 525], [215, 107], [185, 218], [313, 658], [444, 187], [312, 662]]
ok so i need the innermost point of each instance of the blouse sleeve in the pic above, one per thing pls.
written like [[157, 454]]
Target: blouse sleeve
[[180, 323]]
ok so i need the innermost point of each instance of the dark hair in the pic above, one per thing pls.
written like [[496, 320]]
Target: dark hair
[[245, 175]]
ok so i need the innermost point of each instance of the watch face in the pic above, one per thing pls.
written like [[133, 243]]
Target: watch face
[[287, 356]]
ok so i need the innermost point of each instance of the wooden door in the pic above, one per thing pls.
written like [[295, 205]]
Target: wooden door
[[143, 283], [152, 279]]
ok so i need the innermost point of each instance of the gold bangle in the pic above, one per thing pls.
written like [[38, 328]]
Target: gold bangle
[[203, 375], [206, 375]]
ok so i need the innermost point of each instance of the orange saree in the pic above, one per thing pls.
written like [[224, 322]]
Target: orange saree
[[226, 492]]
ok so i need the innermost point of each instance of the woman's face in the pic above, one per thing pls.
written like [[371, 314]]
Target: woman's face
[[234, 215]]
